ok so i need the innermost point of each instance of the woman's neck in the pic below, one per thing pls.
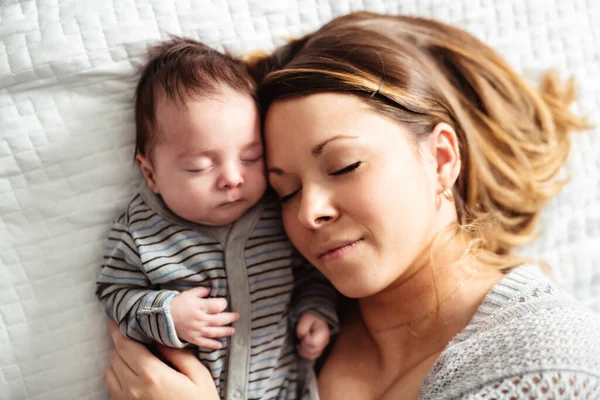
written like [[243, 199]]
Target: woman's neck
[[417, 316]]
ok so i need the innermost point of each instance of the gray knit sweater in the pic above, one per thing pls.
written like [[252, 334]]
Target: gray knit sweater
[[528, 340]]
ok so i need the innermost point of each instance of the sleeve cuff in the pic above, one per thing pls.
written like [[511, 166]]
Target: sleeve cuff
[[163, 328], [327, 314]]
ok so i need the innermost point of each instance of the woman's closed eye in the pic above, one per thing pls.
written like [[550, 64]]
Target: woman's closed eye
[[346, 169], [343, 171], [288, 197]]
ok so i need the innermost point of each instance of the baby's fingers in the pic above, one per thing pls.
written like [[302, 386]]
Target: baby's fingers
[[220, 319], [316, 340], [207, 343], [213, 306], [217, 331], [308, 354]]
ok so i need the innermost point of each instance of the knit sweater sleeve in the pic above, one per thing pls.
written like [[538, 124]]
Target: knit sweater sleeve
[[313, 293], [540, 385], [528, 340]]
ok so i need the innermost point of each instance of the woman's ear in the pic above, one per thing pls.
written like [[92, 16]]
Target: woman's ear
[[445, 147], [148, 172]]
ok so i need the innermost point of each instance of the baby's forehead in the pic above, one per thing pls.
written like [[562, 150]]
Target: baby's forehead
[[179, 104], [208, 123]]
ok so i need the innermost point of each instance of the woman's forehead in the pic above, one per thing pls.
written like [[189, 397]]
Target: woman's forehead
[[323, 113], [325, 102], [307, 121], [306, 125]]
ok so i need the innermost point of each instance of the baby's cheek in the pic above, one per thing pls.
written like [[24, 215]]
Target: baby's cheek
[[258, 182], [193, 196]]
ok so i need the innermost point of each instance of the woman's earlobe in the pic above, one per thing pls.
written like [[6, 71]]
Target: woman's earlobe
[[447, 154], [447, 193]]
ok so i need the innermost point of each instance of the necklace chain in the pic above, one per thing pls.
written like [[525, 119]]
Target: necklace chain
[[436, 309]]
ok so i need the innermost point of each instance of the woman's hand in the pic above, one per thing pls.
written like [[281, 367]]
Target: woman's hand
[[135, 373]]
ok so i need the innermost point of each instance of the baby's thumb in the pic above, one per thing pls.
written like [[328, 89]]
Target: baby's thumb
[[200, 291]]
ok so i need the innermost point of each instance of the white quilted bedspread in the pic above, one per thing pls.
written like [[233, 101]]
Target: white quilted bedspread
[[66, 135]]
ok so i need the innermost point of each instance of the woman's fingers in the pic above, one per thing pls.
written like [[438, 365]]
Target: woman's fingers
[[112, 381], [135, 355], [120, 367], [135, 373], [188, 364], [120, 349]]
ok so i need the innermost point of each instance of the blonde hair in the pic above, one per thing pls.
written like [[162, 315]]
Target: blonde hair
[[513, 139]]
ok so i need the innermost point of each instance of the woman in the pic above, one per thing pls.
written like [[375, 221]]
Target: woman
[[410, 160]]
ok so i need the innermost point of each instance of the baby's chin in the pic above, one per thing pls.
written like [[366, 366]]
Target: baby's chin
[[224, 215]]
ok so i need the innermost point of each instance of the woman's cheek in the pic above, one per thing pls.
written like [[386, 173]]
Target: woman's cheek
[[295, 232], [365, 194]]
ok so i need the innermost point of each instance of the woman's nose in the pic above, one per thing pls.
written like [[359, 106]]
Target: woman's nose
[[316, 208]]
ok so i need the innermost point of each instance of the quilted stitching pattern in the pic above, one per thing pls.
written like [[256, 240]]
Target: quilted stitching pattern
[[66, 135]]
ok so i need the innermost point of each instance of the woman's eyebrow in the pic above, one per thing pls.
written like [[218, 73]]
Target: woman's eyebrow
[[276, 171], [318, 149]]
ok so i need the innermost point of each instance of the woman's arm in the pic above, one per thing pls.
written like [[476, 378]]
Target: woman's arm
[[567, 383], [135, 373]]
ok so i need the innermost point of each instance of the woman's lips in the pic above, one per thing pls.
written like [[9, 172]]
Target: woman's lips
[[338, 251]]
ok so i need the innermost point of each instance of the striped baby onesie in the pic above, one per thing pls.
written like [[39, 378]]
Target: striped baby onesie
[[151, 255]]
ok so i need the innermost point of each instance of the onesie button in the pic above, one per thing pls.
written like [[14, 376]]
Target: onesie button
[[237, 394], [240, 341]]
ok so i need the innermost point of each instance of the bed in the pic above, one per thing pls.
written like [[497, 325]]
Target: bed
[[67, 74]]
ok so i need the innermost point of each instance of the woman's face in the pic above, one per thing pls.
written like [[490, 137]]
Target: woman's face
[[358, 196]]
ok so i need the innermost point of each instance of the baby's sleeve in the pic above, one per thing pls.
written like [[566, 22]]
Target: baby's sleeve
[[141, 309], [313, 293]]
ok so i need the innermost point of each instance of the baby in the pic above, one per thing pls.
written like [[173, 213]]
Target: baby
[[203, 235]]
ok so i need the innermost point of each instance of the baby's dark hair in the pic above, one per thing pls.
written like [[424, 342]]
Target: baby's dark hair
[[179, 68]]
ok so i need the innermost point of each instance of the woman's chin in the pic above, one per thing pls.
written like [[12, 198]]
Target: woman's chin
[[357, 287]]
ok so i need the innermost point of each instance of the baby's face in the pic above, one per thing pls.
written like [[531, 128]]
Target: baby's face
[[208, 161]]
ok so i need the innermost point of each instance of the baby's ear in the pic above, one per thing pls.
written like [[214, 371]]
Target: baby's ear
[[148, 172]]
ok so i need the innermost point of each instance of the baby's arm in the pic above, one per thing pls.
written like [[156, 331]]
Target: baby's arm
[[314, 309], [145, 313], [142, 311]]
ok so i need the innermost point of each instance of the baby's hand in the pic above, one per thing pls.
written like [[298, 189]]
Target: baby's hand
[[314, 334], [197, 319]]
